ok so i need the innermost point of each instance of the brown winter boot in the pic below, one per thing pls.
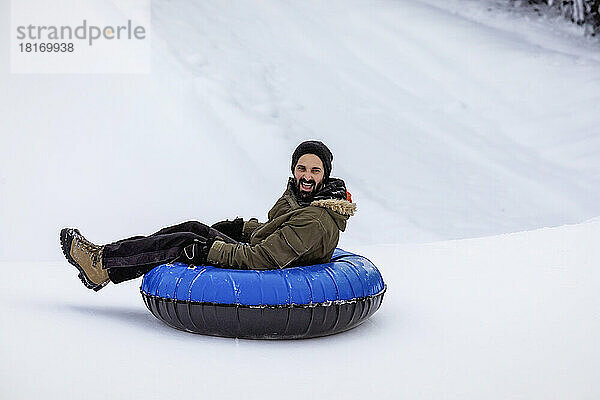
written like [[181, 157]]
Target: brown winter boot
[[86, 257]]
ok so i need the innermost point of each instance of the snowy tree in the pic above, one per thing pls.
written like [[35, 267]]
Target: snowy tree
[[581, 12]]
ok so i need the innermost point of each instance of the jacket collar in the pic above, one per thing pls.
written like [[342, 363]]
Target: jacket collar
[[332, 196], [343, 207], [334, 189]]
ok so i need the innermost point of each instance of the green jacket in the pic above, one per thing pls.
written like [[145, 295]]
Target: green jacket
[[293, 236]]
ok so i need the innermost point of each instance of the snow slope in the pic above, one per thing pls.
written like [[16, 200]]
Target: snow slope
[[446, 121], [510, 316]]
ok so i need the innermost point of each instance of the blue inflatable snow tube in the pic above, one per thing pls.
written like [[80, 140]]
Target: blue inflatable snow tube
[[297, 302]]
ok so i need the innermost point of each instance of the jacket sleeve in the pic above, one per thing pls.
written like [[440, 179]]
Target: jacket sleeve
[[249, 227], [278, 250]]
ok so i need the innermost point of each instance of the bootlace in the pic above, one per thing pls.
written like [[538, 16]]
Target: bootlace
[[91, 249]]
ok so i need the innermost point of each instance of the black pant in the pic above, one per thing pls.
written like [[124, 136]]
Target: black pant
[[133, 257]]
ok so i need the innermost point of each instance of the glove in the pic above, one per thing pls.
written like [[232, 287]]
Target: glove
[[233, 229], [197, 252]]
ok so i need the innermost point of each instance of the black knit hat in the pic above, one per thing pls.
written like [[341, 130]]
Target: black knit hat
[[318, 149]]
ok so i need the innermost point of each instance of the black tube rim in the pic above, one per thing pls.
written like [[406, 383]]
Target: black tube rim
[[280, 321]]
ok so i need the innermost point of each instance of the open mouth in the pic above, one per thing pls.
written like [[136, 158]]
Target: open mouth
[[306, 186]]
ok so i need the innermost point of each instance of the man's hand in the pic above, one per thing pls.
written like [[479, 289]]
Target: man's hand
[[233, 229], [197, 252]]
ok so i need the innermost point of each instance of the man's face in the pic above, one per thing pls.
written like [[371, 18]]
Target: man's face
[[308, 174]]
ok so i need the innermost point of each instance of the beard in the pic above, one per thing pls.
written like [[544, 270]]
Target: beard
[[307, 194]]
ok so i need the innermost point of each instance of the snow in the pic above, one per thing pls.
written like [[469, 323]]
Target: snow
[[451, 119], [508, 316], [445, 121]]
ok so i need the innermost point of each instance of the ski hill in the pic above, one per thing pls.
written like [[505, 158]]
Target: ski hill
[[508, 316], [446, 120], [466, 131]]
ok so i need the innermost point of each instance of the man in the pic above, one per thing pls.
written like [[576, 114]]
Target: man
[[303, 228]]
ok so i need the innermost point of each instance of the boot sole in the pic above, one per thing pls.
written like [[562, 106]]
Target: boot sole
[[65, 245]]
